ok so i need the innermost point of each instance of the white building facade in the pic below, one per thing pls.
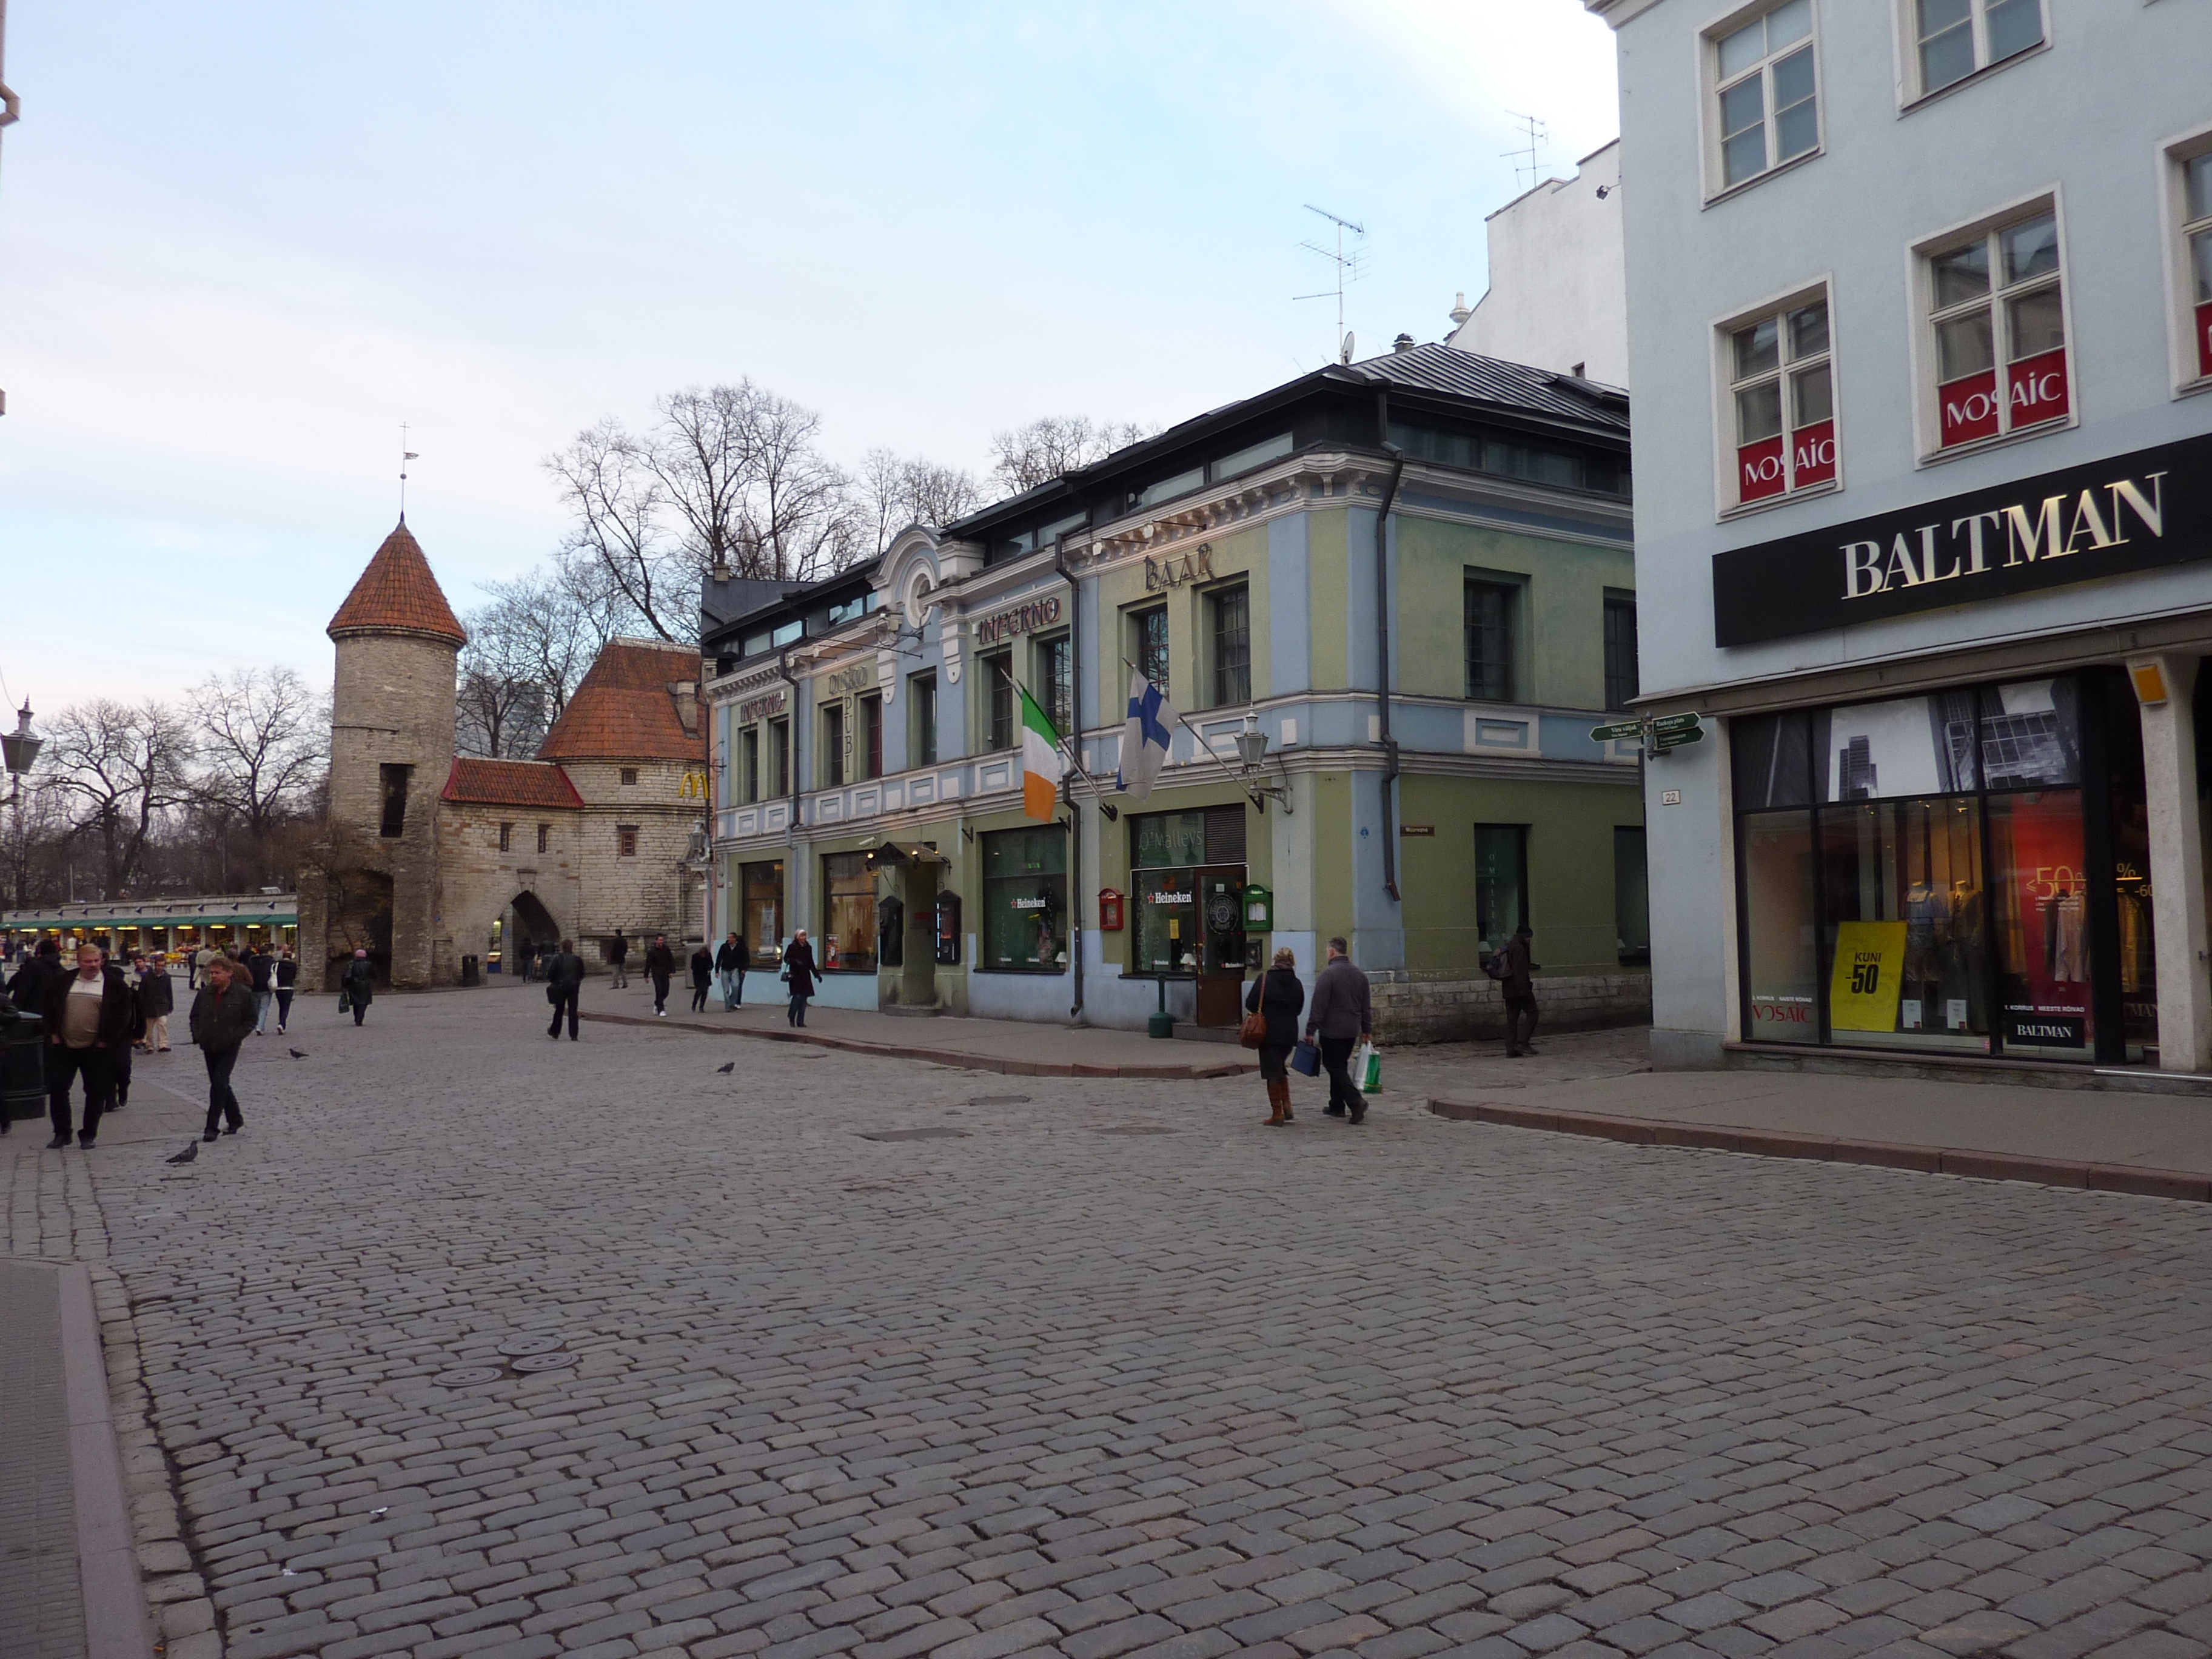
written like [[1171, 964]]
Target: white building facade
[[1920, 322], [1558, 295]]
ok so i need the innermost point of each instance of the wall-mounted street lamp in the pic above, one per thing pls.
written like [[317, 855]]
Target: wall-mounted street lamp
[[20, 748], [1252, 760]]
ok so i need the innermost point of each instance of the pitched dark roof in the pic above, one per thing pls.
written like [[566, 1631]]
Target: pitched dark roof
[[1446, 368], [396, 594], [624, 710], [508, 783]]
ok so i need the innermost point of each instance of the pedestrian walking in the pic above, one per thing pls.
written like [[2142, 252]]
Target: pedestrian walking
[[618, 959], [157, 1000], [35, 979], [259, 965], [87, 1017], [222, 1019], [199, 960], [1519, 991], [798, 968], [660, 969], [120, 1057], [564, 985], [358, 984], [703, 976], [730, 963], [1277, 996], [286, 975], [1341, 1015]]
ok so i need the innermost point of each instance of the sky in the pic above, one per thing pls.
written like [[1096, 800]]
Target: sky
[[241, 244]]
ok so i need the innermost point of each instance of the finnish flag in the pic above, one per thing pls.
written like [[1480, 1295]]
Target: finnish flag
[[1144, 736]]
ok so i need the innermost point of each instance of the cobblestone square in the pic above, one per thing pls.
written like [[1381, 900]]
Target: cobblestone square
[[1107, 1371]]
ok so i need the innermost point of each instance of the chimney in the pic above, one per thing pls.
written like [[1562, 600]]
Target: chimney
[[1403, 343], [1459, 312], [686, 695]]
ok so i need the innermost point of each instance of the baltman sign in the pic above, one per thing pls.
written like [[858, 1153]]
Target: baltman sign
[[2131, 512]]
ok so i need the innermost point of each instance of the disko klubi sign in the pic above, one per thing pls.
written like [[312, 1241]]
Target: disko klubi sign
[[2135, 511]]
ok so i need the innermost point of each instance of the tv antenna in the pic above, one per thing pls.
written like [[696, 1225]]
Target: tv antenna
[[405, 456], [1526, 156], [1350, 268]]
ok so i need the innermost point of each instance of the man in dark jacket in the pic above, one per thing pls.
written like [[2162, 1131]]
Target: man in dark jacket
[[222, 1018], [564, 984], [359, 984], [259, 966], [798, 968], [37, 976], [285, 975], [703, 976], [730, 963], [89, 1017], [1519, 991], [157, 1000], [618, 959], [1341, 1015], [660, 968]]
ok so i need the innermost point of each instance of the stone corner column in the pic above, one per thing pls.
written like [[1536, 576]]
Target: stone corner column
[[2177, 861]]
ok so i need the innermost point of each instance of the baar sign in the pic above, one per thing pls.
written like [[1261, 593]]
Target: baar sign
[[2133, 511]]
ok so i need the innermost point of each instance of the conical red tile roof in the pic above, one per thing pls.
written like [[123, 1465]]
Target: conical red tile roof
[[396, 594]]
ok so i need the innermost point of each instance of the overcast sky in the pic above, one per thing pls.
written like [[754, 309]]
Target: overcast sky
[[240, 244]]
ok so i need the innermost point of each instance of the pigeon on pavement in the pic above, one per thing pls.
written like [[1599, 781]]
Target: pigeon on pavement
[[296, 1054], [731, 1066], [188, 1154]]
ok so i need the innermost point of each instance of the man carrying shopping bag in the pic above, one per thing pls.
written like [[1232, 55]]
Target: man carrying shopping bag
[[1342, 1016]]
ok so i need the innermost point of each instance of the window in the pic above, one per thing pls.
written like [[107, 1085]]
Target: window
[[762, 887], [1055, 682], [853, 609], [1954, 38], [1632, 896], [392, 781], [505, 837], [749, 776], [998, 699], [1033, 540], [779, 756], [1768, 110], [787, 633], [1148, 646], [834, 764], [921, 747], [1996, 299], [1501, 882], [1252, 455], [849, 924], [1784, 400], [755, 643], [1229, 630], [1166, 488], [628, 775], [1025, 900], [544, 837], [1478, 452], [871, 736], [2196, 240], [625, 838], [1185, 871], [1621, 680], [1489, 616]]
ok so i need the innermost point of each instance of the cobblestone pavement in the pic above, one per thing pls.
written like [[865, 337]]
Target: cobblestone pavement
[[1113, 1370], [41, 1610]]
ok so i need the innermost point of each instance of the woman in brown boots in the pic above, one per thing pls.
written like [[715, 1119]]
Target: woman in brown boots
[[1279, 996]]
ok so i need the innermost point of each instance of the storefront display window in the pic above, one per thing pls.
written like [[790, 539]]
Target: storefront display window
[[1781, 995], [1025, 900], [761, 895], [1903, 936], [848, 922], [1185, 864], [2042, 924]]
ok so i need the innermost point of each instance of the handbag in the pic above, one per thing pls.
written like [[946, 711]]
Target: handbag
[[345, 1000], [553, 994], [1305, 1060], [1253, 1031], [1368, 1070]]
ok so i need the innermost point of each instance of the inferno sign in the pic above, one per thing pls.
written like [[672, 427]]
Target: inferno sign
[[2136, 512], [1023, 619]]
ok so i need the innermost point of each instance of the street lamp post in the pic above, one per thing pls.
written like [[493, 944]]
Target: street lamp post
[[20, 748]]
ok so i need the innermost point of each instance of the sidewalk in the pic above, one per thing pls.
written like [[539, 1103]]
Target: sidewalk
[[2114, 1141]]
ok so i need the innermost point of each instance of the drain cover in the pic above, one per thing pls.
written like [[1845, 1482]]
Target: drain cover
[[999, 1100], [917, 1134], [467, 1376], [522, 1345], [544, 1362]]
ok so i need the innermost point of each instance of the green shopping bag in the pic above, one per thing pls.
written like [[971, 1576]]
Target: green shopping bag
[[1367, 1070]]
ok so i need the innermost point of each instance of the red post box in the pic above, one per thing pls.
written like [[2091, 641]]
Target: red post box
[[1109, 910]]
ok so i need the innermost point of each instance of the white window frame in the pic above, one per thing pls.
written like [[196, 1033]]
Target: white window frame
[[1727, 484], [1718, 187], [1912, 93], [2190, 375], [1927, 363]]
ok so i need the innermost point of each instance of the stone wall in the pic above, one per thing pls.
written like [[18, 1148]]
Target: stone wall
[[649, 892], [1458, 1011], [479, 881]]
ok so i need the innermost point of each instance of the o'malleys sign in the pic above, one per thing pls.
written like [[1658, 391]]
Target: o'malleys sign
[[2103, 519]]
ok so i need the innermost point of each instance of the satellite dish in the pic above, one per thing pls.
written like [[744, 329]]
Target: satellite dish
[[1344, 355]]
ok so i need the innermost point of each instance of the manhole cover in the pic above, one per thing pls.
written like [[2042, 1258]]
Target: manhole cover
[[522, 1345], [917, 1134], [999, 1100], [1136, 1129], [467, 1376], [544, 1362]]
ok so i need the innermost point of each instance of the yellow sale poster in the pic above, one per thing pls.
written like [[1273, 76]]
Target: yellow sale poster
[[1869, 966]]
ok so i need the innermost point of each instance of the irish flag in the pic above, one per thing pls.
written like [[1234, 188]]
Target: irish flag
[[1040, 760]]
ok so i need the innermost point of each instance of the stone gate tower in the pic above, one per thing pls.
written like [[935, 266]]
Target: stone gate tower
[[376, 886]]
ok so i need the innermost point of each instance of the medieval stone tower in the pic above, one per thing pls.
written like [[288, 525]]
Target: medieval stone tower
[[392, 749]]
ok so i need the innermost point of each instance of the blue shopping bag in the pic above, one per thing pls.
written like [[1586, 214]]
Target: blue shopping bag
[[1305, 1060]]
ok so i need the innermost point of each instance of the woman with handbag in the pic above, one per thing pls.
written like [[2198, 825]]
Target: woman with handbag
[[1271, 1025]]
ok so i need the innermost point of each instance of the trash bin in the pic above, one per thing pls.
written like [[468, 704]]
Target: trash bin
[[469, 975], [23, 1064]]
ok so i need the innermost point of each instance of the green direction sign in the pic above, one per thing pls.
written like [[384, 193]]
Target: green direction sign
[[1676, 723], [1676, 739], [1620, 730]]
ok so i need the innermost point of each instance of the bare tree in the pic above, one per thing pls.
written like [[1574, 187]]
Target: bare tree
[[34, 829], [1042, 450], [611, 482], [119, 768], [897, 490], [261, 735], [528, 649]]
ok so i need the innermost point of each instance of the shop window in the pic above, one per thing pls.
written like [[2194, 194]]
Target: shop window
[[1782, 399], [1176, 861], [998, 699], [1953, 39], [1621, 669], [628, 777], [1148, 646], [393, 781], [1902, 932], [505, 837], [1490, 621], [836, 762], [2196, 250], [749, 774], [922, 743], [849, 924], [1996, 301], [1766, 107], [1025, 900], [1632, 896], [544, 837], [871, 736], [779, 756], [1781, 992], [1055, 682], [762, 888], [1228, 635], [1501, 882], [625, 840]]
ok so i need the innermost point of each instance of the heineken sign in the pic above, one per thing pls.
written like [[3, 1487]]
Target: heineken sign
[[2135, 511]]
